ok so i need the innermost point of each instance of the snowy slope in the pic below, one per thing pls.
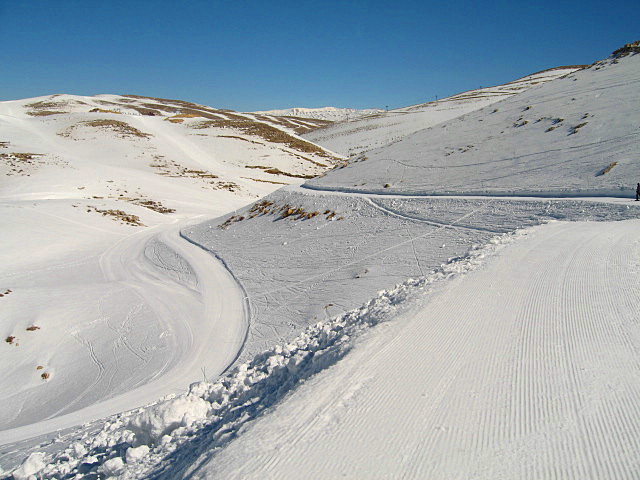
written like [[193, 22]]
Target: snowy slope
[[322, 273], [576, 135], [510, 372], [100, 296], [360, 135], [332, 114]]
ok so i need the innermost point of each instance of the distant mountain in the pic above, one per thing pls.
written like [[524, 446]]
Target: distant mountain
[[325, 113]]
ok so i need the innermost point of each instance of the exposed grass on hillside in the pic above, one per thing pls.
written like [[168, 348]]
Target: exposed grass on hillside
[[264, 131], [102, 110], [606, 169], [276, 171], [266, 207], [118, 215], [45, 113], [122, 129]]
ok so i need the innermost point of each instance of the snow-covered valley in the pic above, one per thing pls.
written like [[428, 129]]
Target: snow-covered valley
[[422, 310]]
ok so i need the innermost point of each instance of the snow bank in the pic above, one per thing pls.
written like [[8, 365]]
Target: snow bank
[[31, 466], [166, 436], [161, 419]]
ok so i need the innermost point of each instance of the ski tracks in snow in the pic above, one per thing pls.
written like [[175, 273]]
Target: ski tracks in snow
[[200, 330], [526, 368]]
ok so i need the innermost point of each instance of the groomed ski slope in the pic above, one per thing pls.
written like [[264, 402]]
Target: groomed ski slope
[[525, 368]]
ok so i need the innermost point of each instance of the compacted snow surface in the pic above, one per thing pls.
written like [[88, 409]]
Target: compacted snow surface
[[353, 327]]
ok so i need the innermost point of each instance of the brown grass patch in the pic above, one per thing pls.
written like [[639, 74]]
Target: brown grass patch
[[33, 328], [123, 129], [265, 181], [266, 207], [45, 376], [45, 113], [102, 110], [10, 339], [21, 163], [150, 204], [276, 171], [606, 169], [119, 215], [264, 131]]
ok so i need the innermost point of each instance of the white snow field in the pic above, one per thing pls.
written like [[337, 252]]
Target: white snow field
[[101, 298], [526, 368], [576, 135], [361, 331], [382, 128]]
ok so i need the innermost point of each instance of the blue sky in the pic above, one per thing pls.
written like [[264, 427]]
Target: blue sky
[[249, 55]]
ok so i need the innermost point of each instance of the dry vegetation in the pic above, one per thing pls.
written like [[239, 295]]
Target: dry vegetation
[[4, 144], [606, 169], [118, 215], [266, 207], [103, 110], [44, 108], [21, 164], [170, 168], [264, 131], [265, 181], [123, 129], [6, 292], [575, 129], [150, 204], [276, 171]]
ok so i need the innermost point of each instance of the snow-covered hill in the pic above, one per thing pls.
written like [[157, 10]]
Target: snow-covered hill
[[377, 130], [576, 135], [342, 308], [95, 302], [332, 114]]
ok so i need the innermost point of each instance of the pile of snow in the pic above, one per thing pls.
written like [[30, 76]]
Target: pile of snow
[[333, 114], [383, 128]]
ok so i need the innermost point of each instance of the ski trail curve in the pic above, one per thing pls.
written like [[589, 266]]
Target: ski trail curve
[[205, 328]]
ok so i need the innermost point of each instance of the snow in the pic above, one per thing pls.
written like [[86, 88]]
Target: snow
[[153, 423], [556, 139], [31, 466], [473, 322], [509, 372], [124, 312], [325, 113], [357, 136]]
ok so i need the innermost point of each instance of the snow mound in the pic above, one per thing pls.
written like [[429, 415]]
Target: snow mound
[[163, 418]]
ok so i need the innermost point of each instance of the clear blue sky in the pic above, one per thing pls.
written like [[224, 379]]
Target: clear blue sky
[[251, 55]]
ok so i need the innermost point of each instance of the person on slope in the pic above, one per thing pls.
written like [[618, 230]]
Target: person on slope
[[638, 192]]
